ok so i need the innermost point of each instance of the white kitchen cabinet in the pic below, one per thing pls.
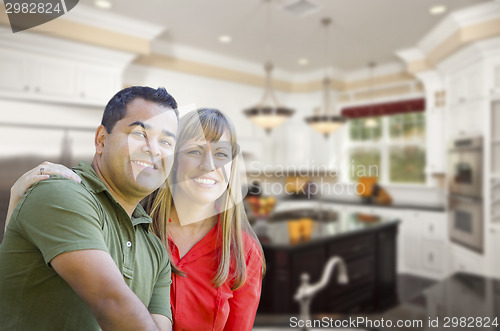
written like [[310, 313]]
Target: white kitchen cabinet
[[51, 78], [423, 244], [37, 77], [466, 85], [432, 255], [467, 119], [13, 78], [97, 84], [435, 141], [493, 249]]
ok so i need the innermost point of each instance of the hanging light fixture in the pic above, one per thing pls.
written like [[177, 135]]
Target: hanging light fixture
[[324, 121], [268, 114], [371, 122]]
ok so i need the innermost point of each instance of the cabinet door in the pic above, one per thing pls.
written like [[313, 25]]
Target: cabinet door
[[54, 78], [13, 72], [436, 142], [96, 84], [409, 243], [386, 268], [432, 256]]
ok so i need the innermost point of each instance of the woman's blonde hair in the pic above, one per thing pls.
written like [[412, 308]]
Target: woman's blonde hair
[[210, 124]]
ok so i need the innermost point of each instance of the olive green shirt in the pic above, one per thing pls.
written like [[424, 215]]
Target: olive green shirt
[[59, 215]]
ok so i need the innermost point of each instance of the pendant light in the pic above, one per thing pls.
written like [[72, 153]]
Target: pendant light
[[268, 114], [324, 121], [371, 122]]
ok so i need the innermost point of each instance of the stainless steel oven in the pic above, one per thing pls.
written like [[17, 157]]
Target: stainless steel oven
[[465, 177], [465, 223], [466, 167]]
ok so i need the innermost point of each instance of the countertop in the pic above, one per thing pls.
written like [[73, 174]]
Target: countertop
[[461, 295], [277, 233], [360, 203]]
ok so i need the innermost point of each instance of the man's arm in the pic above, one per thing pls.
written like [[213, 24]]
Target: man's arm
[[93, 275]]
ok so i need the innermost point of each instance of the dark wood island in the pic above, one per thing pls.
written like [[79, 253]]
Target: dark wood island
[[367, 247]]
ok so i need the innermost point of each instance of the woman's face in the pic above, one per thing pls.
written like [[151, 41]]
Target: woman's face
[[203, 169]]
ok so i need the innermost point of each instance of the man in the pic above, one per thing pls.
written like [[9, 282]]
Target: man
[[79, 256]]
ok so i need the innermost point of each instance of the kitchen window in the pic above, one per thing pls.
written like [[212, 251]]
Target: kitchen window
[[391, 148]]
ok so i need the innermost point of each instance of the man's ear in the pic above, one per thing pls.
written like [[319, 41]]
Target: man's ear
[[100, 139]]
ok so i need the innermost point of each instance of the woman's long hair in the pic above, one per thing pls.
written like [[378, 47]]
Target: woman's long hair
[[210, 124]]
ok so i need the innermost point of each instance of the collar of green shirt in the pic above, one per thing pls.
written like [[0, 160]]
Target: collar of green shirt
[[94, 184]]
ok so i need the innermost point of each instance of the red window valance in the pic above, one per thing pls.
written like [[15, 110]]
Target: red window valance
[[387, 108]]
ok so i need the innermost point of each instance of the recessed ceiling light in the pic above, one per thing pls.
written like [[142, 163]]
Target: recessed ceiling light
[[303, 61], [225, 39], [103, 4], [436, 10]]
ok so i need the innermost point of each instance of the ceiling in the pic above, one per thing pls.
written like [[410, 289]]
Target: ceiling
[[362, 30]]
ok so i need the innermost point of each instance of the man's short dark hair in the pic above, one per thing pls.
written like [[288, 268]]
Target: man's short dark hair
[[116, 109]]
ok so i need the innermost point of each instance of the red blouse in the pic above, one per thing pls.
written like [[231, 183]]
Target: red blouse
[[197, 304]]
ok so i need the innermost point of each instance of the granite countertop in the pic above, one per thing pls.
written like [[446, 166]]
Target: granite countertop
[[361, 203], [459, 296], [277, 233]]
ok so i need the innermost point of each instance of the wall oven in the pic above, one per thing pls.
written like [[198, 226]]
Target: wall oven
[[465, 175], [466, 167]]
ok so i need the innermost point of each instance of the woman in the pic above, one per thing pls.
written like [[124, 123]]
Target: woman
[[200, 219]]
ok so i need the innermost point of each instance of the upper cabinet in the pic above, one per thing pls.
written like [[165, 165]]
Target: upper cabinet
[[61, 71]]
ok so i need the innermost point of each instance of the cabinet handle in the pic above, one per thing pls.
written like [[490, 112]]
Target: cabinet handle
[[37, 89], [431, 257], [431, 228], [26, 88]]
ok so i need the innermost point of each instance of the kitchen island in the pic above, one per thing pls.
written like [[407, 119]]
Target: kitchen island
[[367, 245]]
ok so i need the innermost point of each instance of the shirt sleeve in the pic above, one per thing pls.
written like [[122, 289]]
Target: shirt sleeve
[[245, 301], [160, 300], [59, 215]]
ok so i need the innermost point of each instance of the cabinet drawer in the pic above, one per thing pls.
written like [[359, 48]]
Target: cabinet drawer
[[361, 272], [352, 248], [434, 229], [432, 256], [360, 301]]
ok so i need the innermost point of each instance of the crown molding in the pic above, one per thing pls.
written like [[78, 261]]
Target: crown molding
[[110, 21], [458, 20], [471, 54], [58, 48]]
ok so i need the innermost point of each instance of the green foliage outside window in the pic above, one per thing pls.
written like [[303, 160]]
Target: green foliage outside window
[[406, 161], [407, 126], [359, 132], [364, 162], [407, 164]]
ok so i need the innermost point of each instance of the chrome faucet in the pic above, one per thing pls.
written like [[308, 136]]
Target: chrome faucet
[[306, 291]]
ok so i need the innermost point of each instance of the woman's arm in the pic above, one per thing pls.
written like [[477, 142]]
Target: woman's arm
[[243, 305], [40, 172]]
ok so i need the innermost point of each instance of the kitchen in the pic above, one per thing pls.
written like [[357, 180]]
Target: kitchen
[[423, 120]]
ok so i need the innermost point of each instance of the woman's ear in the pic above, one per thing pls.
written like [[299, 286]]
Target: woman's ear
[[100, 139]]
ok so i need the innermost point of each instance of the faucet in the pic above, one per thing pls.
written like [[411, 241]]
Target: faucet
[[306, 291]]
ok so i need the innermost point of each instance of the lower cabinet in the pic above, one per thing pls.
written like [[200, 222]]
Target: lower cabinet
[[370, 257]]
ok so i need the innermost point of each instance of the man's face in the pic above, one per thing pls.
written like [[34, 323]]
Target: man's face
[[138, 154]]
